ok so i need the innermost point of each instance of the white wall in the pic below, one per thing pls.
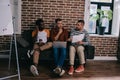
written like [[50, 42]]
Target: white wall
[[86, 13], [116, 18]]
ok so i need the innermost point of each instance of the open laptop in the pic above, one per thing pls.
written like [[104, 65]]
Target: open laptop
[[59, 44]]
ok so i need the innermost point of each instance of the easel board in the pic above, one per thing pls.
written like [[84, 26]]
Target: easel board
[[6, 26]]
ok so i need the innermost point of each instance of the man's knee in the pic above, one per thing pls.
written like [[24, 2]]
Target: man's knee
[[50, 44], [80, 48]]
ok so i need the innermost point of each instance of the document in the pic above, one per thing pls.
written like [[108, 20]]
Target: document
[[42, 35], [77, 38]]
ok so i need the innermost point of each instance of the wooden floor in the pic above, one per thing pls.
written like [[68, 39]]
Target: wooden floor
[[94, 70]]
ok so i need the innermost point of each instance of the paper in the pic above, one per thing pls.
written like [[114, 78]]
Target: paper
[[42, 36], [77, 38]]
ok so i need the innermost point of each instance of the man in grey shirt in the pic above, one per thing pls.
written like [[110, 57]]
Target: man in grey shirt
[[78, 46]]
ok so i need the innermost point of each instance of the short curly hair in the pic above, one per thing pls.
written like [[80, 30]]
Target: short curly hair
[[39, 21]]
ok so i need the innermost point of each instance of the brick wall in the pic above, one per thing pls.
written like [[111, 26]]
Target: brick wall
[[69, 10], [104, 45]]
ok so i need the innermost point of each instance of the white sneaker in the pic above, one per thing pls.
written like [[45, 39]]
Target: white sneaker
[[34, 70], [28, 53], [57, 70], [62, 73], [32, 51]]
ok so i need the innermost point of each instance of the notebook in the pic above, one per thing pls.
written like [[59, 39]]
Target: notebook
[[59, 44]]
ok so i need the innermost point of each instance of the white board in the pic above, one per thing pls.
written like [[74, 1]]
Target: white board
[[6, 23]]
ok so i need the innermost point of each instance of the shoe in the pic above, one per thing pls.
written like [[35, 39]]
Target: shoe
[[28, 53], [71, 70], [32, 51], [79, 69], [57, 70], [62, 72], [34, 70]]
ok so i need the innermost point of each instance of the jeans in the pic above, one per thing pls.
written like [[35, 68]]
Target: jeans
[[59, 56]]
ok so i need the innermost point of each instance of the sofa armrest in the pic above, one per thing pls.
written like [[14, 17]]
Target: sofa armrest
[[89, 52]]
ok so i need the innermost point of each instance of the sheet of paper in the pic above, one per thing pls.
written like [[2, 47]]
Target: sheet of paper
[[77, 38], [42, 35]]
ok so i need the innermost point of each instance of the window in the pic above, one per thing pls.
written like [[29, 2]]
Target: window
[[103, 5]]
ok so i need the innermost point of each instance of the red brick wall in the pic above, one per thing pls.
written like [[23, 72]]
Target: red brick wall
[[105, 46], [69, 10]]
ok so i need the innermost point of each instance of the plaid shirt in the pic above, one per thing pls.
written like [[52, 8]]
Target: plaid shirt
[[85, 39]]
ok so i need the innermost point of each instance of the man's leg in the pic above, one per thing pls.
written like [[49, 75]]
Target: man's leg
[[36, 57], [80, 52], [46, 46], [56, 58], [33, 68], [36, 54], [61, 60], [62, 57], [56, 55], [81, 55], [72, 52]]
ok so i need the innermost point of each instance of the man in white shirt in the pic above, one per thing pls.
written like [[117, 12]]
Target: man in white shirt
[[41, 43]]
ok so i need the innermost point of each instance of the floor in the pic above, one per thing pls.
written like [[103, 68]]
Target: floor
[[94, 70]]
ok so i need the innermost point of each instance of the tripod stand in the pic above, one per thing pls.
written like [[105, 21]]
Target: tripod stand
[[13, 41]]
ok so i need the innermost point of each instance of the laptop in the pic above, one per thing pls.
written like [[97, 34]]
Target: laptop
[[59, 44]]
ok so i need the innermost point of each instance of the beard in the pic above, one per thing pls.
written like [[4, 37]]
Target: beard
[[41, 28], [77, 29]]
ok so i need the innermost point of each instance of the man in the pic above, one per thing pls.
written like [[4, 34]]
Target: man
[[61, 35], [40, 36], [78, 46]]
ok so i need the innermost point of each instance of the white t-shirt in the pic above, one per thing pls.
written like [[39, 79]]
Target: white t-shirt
[[42, 35]]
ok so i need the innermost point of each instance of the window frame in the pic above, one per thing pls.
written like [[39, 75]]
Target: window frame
[[100, 4]]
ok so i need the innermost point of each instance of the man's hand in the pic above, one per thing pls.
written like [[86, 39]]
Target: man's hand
[[70, 39], [57, 36], [60, 31], [80, 42], [40, 42]]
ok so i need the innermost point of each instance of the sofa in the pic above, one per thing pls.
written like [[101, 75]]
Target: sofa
[[25, 43]]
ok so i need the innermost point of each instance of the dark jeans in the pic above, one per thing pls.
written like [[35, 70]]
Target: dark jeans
[[59, 56]]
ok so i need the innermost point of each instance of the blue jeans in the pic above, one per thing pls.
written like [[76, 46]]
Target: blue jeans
[[59, 56]]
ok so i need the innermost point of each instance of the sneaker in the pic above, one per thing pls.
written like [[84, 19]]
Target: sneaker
[[71, 70], [32, 51], [57, 70], [62, 72], [28, 53], [34, 70], [80, 69]]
